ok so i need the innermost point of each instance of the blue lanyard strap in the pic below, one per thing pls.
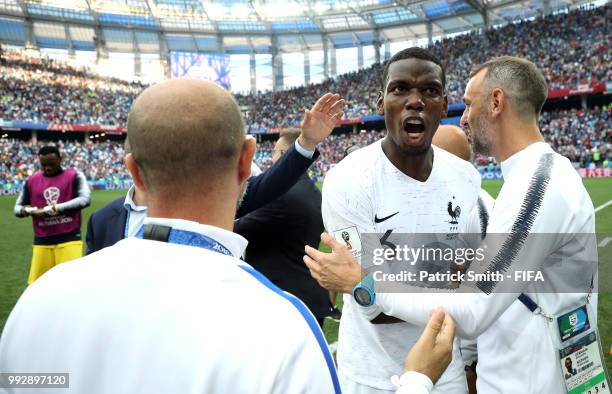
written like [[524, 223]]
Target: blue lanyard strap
[[181, 237], [535, 308], [528, 302]]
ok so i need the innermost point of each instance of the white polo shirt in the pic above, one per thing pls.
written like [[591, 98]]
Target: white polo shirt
[[151, 317], [136, 214], [542, 194]]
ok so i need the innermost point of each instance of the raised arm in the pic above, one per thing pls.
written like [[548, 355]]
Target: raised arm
[[317, 124]]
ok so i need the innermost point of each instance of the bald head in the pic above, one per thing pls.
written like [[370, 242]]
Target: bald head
[[454, 140], [185, 133]]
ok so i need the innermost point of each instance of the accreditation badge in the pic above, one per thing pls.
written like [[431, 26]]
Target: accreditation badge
[[580, 354]]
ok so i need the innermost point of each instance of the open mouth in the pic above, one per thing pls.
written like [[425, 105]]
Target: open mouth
[[413, 125]]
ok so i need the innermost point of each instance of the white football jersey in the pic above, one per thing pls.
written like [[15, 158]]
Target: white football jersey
[[366, 193]]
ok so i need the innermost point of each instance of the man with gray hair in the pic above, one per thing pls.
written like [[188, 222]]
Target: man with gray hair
[[544, 221]]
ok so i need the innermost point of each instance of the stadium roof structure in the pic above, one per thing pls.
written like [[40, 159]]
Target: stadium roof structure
[[248, 26]]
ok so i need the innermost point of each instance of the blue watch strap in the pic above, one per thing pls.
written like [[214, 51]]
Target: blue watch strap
[[366, 285]]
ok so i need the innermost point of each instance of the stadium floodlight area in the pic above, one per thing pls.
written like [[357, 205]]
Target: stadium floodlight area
[[275, 17], [212, 67], [335, 36]]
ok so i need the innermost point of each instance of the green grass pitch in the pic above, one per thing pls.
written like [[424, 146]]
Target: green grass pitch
[[16, 252]]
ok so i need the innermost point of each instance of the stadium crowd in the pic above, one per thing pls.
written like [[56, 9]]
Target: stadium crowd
[[571, 48], [42, 90], [585, 137]]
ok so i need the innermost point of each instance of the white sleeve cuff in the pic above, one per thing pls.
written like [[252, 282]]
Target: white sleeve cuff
[[412, 382], [370, 312], [306, 153]]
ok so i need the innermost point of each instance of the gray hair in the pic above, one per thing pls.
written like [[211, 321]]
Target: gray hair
[[520, 80]]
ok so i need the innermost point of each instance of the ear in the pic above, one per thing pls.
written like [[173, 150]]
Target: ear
[[380, 104], [445, 109], [132, 167], [245, 159], [498, 102]]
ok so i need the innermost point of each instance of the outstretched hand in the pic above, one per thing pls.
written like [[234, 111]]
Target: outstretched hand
[[433, 352], [320, 120], [335, 271]]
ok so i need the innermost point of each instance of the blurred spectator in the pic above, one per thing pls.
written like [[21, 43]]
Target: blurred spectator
[[571, 49]]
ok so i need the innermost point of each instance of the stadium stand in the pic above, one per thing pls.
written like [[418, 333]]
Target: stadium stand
[[572, 48], [46, 91]]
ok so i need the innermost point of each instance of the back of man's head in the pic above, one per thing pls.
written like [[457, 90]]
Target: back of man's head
[[521, 80], [185, 134], [289, 136], [454, 140], [286, 138]]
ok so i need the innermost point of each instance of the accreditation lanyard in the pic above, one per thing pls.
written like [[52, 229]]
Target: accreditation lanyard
[[536, 309], [579, 353], [171, 235], [161, 233]]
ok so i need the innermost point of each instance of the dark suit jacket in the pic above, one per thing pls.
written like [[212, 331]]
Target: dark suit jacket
[[276, 181], [277, 234], [106, 226]]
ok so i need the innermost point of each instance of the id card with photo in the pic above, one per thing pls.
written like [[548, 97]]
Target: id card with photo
[[580, 355]]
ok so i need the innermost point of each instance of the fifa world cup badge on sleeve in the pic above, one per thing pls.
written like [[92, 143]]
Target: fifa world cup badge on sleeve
[[349, 237], [580, 353]]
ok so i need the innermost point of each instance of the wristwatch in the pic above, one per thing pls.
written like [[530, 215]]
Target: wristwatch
[[363, 292]]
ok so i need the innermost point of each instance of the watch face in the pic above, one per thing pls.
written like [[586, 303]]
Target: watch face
[[362, 296]]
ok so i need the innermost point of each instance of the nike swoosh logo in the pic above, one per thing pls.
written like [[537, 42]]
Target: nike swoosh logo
[[377, 220]]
